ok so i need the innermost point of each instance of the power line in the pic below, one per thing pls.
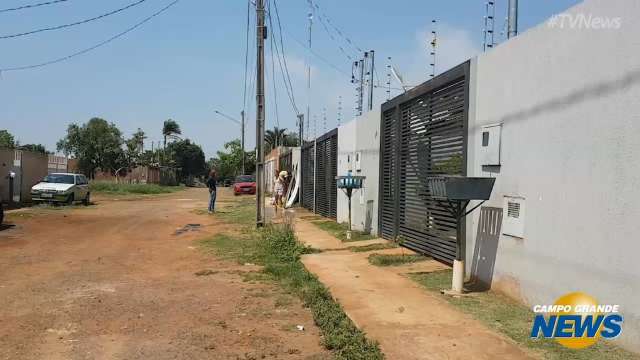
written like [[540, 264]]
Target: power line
[[246, 56], [324, 26], [335, 28], [95, 46], [32, 6], [73, 24], [318, 55], [273, 72], [284, 70]]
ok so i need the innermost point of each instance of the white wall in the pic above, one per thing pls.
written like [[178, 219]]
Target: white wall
[[360, 135], [569, 102]]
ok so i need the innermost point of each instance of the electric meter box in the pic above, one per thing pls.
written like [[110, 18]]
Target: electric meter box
[[490, 145]]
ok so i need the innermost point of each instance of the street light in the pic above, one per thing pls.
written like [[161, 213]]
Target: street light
[[241, 123]]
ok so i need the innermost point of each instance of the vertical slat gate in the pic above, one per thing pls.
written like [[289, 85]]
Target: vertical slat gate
[[423, 134], [388, 177], [307, 175], [326, 172]]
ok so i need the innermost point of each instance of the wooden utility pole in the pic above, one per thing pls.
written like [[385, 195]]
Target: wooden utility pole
[[260, 113]]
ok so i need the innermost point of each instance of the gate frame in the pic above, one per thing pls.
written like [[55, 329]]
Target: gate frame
[[322, 138], [453, 74]]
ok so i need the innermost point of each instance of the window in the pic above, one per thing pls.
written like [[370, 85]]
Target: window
[[59, 179]]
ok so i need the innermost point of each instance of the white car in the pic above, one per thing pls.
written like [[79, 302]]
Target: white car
[[62, 188]]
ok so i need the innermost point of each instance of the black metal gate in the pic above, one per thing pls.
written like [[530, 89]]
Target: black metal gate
[[326, 171], [424, 133], [307, 159]]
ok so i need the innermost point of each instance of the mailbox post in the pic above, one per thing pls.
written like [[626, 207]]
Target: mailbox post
[[348, 184], [455, 193]]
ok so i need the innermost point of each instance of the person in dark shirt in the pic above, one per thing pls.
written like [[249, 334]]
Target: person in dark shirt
[[211, 184]]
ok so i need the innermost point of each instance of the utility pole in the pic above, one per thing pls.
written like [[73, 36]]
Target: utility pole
[[309, 72], [300, 130], [242, 127], [301, 144], [260, 113], [242, 141]]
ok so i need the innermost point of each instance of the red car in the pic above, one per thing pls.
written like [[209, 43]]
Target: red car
[[244, 184]]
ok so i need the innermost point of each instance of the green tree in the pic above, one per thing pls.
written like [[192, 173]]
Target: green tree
[[228, 163], [170, 128], [134, 148], [96, 144], [274, 138], [6, 140], [188, 157]]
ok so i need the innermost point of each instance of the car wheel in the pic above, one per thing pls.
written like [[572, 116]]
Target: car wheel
[[70, 199], [87, 200]]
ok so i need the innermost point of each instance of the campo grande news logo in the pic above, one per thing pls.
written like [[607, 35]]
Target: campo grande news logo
[[577, 321]]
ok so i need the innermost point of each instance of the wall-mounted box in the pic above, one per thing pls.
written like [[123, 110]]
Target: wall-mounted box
[[490, 145], [513, 216]]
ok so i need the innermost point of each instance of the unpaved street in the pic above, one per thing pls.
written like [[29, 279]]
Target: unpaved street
[[115, 281]]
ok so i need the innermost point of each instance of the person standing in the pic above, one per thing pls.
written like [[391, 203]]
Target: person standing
[[278, 190], [211, 184]]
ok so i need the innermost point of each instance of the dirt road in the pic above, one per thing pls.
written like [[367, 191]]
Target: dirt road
[[115, 281]]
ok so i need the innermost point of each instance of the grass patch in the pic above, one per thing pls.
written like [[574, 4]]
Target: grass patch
[[105, 187], [514, 320], [373, 247], [395, 259], [240, 212], [278, 251], [340, 231]]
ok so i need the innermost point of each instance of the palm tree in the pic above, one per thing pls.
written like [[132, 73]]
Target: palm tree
[[275, 137], [170, 128]]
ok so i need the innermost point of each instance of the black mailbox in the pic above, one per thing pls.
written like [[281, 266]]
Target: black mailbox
[[460, 188]]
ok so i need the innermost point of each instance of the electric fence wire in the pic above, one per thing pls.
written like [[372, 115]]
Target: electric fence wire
[[58, 27], [81, 52], [23, 7], [326, 29]]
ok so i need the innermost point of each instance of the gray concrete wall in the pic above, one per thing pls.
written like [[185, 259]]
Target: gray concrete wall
[[361, 135], [569, 102]]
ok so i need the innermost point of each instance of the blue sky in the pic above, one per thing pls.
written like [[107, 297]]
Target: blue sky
[[189, 61]]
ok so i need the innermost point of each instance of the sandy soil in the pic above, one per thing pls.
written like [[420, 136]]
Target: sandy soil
[[115, 281], [407, 321]]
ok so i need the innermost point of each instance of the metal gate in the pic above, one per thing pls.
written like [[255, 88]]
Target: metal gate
[[424, 133], [286, 161], [307, 158], [326, 171]]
